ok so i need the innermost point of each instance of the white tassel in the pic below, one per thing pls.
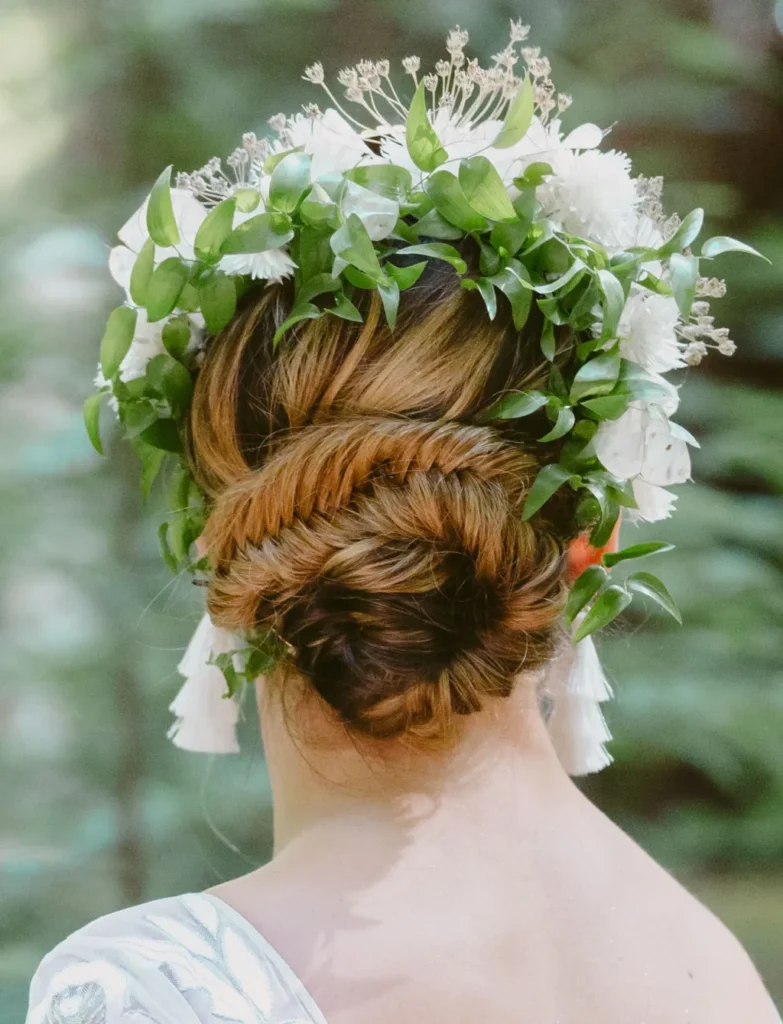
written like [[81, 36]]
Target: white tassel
[[576, 725], [206, 719]]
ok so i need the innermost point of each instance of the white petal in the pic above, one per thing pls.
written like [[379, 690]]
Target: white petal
[[619, 444], [586, 136], [654, 503], [667, 460], [121, 261], [378, 214]]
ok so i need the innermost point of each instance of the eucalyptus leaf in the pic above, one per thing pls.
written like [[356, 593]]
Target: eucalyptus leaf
[[598, 376], [218, 298], [722, 243], [612, 558], [518, 118], [584, 589], [611, 603], [437, 251], [353, 244], [566, 418], [389, 291], [161, 223], [613, 303], [406, 277], [514, 282], [684, 272], [686, 233], [92, 411], [650, 586], [424, 146], [484, 189], [165, 287], [117, 339], [142, 272], [549, 480], [214, 230], [259, 233], [515, 405], [452, 204]]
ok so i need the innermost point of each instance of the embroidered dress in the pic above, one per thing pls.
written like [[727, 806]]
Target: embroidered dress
[[185, 960]]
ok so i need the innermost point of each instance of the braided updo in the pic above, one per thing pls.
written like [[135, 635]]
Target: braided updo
[[361, 509]]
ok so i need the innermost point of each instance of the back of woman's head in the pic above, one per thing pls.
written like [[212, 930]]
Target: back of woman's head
[[363, 511]]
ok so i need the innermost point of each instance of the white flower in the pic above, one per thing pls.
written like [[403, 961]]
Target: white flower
[[648, 331], [378, 214], [654, 503], [270, 265], [592, 194], [643, 446], [331, 141], [189, 215]]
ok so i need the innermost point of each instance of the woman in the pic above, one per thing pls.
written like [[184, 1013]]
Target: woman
[[413, 452]]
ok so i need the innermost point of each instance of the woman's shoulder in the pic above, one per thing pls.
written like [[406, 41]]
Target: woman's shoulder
[[186, 959]]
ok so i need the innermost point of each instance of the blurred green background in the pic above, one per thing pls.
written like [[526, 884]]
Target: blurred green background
[[98, 810]]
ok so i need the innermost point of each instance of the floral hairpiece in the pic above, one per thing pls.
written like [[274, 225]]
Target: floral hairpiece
[[333, 200]]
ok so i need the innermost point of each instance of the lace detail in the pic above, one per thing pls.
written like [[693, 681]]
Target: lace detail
[[187, 960]]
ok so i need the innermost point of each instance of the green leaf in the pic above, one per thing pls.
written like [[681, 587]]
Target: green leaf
[[188, 299], [566, 419], [318, 207], [247, 199], [509, 235], [142, 272], [636, 551], [353, 244], [610, 511], [137, 417], [686, 233], [514, 282], [178, 490], [389, 180], [170, 379], [598, 376], [613, 303], [313, 252], [360, 280], [214, 230], [515, 405], [406, 277], [490, 260], [584, 590], [609, 408], [117, 339], [518, 118], [609, 605], [305, 311], [549, 480], [555, 286], [424, 146], [684, 275], [176, 337], [390, 296], [218, 297], [484, 189], [450, 201], [161, 223], [151, 461], [650, 586], [92, 412], [437, 251], [288, 182], [722, 243], [318, 285], [433, 225], [535, 174], [345, 309], [165, 287], [272, 161], [486, 289], [548, 341], [262, 232], [163, 434]]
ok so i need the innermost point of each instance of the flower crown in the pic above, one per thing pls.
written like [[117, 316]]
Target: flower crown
[[333, 201]]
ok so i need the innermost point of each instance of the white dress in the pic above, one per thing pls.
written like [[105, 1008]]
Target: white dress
[[184, 960]]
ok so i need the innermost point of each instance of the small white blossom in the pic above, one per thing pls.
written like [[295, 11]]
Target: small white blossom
[[270, 265], [694, 353], [654, 503], [519, 32], [727, 347], [315, 73], [648, 331], [592, 195], [411, 64]]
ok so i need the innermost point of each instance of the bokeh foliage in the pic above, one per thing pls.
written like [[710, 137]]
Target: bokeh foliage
[[95, 97]]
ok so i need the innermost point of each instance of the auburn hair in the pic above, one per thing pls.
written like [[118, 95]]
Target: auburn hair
[[362, 509]]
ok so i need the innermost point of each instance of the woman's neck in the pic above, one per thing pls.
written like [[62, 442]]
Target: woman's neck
[[326, 781]]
